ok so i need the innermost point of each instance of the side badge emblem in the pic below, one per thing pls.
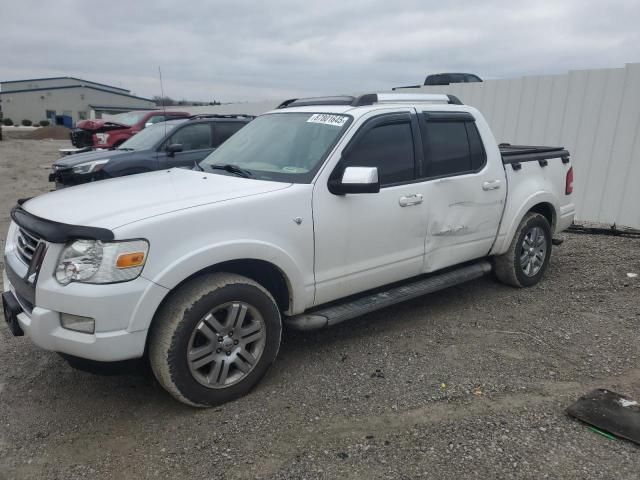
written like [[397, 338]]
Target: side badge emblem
[[298, 220]]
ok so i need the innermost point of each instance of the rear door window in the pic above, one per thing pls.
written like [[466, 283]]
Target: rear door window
[[451, 148]]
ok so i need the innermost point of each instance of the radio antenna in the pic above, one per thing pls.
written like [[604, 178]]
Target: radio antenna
[[163, 100]]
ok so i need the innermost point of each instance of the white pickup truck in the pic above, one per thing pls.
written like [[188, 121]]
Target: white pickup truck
[[316, 212]]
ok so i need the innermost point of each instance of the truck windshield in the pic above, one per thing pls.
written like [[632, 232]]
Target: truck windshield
[[149, 137], [285, 147], [129, 118]]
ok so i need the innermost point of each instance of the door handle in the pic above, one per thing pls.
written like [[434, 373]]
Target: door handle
[[491, 185], [409, 200]]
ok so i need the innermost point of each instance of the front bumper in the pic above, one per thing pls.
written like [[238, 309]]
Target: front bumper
[[122, 311], [64, 177], [43, 328], [108, 309]]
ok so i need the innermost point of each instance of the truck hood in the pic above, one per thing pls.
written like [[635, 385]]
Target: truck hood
[[120, 201], [99, 124], [73, 160]]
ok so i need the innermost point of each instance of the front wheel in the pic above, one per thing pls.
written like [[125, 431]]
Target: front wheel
[[524, 264], [214, 339]]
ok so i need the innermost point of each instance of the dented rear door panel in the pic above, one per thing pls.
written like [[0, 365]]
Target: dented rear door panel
[[464, 211]]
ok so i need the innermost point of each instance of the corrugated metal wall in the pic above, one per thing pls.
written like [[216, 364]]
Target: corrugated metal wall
[[594, 113]]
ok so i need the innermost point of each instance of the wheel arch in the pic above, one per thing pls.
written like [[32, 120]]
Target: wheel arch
[[547, 210], [267, 274], [543, 203]]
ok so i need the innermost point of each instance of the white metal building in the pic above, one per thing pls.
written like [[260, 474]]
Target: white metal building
[[65, 100]]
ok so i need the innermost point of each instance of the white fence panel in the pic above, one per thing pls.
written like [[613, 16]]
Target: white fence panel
[[593, 113]]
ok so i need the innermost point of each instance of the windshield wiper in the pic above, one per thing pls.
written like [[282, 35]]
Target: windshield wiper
[[228, 167], [196, 166]]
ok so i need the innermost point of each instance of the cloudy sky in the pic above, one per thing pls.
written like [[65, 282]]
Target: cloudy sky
[[238, 50]]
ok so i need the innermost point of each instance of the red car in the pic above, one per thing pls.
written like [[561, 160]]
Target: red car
[[110, 133]]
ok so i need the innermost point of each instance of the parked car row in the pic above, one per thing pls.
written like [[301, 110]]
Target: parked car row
[[117, 129], [173, 141]]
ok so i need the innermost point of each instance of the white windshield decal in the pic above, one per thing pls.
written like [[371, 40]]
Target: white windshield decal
[[327, 119]]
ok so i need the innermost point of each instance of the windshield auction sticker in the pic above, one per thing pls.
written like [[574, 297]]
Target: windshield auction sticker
[[328, 119]]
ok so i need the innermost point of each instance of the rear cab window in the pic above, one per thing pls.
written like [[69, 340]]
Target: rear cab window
[[451, 144]]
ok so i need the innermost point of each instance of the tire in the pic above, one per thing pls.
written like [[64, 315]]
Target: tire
[[194, 352], [524, 264]]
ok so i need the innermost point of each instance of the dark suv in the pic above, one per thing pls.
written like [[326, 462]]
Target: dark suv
[[173, 143], [448, 78]]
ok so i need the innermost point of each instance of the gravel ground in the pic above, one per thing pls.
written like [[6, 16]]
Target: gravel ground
[[470, 382]]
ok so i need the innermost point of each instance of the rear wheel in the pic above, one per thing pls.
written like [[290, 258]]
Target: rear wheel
[[524, 264], [214, 339]]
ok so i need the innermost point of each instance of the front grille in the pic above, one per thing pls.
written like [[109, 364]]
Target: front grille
[[81, 138], [26, 244]]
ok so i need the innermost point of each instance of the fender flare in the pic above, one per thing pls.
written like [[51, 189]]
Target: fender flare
[[508, 231], [186, 266]]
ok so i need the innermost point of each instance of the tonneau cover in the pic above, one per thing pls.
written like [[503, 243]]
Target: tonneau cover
[[529, 153]]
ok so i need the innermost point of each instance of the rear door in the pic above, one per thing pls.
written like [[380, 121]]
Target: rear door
[[197, 141], [465, 189]]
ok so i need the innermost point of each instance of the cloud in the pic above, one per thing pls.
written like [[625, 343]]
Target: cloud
[[238, 50]]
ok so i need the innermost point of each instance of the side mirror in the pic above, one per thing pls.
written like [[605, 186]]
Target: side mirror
[[148, 124], [173, 149], [356, 180]]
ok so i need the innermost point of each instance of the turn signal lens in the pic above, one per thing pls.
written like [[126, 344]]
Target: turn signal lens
[[129, 260]]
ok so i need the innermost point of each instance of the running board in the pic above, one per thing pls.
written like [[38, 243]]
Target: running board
[[337, 313]]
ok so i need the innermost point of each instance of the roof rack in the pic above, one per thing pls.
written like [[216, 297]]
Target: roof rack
[[216, 115], [371, 99]]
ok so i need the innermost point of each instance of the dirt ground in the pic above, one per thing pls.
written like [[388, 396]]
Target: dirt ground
[[472, 382]]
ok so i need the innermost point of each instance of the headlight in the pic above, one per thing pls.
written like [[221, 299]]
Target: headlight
[[93, 261], [90, 167]]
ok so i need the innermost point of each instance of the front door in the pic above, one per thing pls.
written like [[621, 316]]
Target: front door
[[363, 241]]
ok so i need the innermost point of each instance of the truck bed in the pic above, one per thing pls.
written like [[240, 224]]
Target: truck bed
[[530, 153]]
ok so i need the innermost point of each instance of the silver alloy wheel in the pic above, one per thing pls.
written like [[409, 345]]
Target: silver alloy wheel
[[226, 344], [533, 252]]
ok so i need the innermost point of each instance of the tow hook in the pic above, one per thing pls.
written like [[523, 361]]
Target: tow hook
[[11, 309]]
